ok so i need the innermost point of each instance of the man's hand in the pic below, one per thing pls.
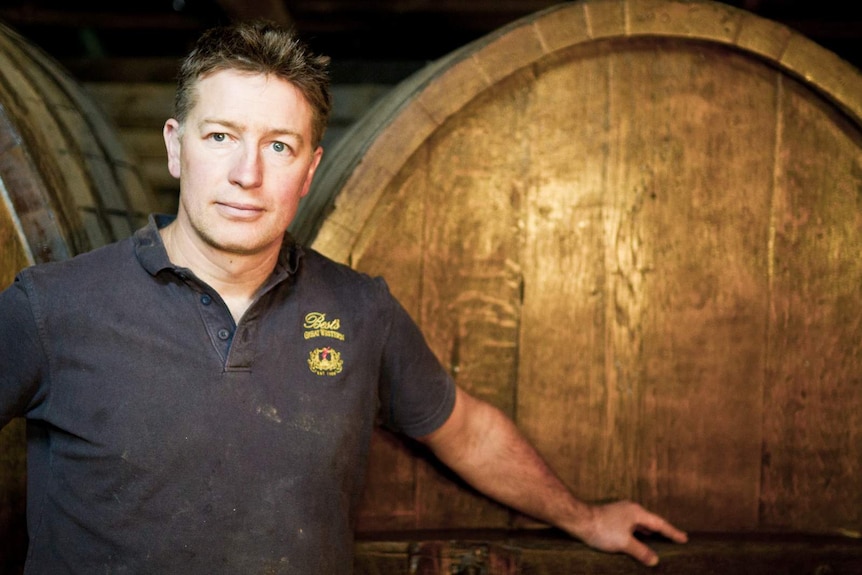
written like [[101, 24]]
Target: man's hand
[[613, 526]]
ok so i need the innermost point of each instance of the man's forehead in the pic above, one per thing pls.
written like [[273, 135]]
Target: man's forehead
[[228, 95]]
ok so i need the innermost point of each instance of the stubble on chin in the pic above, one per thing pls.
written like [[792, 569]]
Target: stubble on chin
[[220, 238]]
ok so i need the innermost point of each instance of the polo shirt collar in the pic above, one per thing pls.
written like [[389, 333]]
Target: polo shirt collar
[[152, 255]]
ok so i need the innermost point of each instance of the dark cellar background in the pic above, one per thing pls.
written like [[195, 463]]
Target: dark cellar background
[[378, 41]]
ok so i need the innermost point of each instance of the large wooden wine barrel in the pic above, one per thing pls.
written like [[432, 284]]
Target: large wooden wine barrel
[[66, 186], [635, 226]]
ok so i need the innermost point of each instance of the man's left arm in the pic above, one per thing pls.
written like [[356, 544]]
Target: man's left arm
[[482, 445]]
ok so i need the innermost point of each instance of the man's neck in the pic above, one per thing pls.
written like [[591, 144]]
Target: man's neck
[[236, 277]]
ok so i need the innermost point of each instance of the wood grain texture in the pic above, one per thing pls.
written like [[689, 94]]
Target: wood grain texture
[[564, 406], [812, 443], [687, 272]]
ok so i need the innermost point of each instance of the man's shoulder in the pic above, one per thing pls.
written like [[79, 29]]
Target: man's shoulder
[[100, 265], [317, 266], [324, 275]]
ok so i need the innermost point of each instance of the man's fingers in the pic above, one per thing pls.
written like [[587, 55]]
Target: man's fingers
[[657, 524], [641, 552], [654, 524], [616, 525]]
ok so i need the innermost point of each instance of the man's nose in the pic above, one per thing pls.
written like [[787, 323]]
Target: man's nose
[[247, 169]]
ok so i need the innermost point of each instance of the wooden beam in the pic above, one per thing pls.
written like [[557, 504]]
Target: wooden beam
[[545, 552]]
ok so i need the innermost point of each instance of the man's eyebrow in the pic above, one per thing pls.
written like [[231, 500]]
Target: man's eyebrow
[[234, 126]]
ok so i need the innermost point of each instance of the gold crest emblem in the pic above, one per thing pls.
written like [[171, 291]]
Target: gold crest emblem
[[325, 361]]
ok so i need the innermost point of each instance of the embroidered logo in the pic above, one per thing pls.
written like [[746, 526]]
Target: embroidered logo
[[325, 361], [316, 325]]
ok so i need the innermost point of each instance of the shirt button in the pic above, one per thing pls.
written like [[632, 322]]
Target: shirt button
[[223, 334], [206, 300]]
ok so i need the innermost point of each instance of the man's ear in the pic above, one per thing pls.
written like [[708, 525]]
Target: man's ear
[[171, 133]]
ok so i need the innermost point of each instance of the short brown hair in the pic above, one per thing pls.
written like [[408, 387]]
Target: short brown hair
[[259, 47]]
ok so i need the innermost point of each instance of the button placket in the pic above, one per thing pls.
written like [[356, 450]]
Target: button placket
[[218, 323]]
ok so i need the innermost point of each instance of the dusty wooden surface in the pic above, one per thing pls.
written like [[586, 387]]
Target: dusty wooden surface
[[539, 554], [634, 227]]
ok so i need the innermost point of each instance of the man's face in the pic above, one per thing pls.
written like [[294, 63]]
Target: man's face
[[244, 159]]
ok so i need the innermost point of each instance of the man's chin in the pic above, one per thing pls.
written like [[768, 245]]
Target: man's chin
[[242, 246]]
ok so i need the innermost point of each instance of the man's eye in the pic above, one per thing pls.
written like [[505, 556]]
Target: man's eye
[[279, 146], [219, 137]]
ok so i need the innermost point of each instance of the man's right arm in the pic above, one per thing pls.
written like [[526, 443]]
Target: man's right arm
[[487, 450]]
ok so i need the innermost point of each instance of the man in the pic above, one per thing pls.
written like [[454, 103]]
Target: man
[[200, 397]]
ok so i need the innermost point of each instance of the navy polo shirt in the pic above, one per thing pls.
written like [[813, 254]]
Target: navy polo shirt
[[164, 438]]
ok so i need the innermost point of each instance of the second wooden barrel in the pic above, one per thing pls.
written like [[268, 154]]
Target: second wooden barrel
[[65, 176], [635, 226]]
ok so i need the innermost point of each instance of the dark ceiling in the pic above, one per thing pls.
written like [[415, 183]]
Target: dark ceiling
[[142, 39]]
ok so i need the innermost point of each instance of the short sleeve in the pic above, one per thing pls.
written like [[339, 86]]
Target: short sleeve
[[417, 394]]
